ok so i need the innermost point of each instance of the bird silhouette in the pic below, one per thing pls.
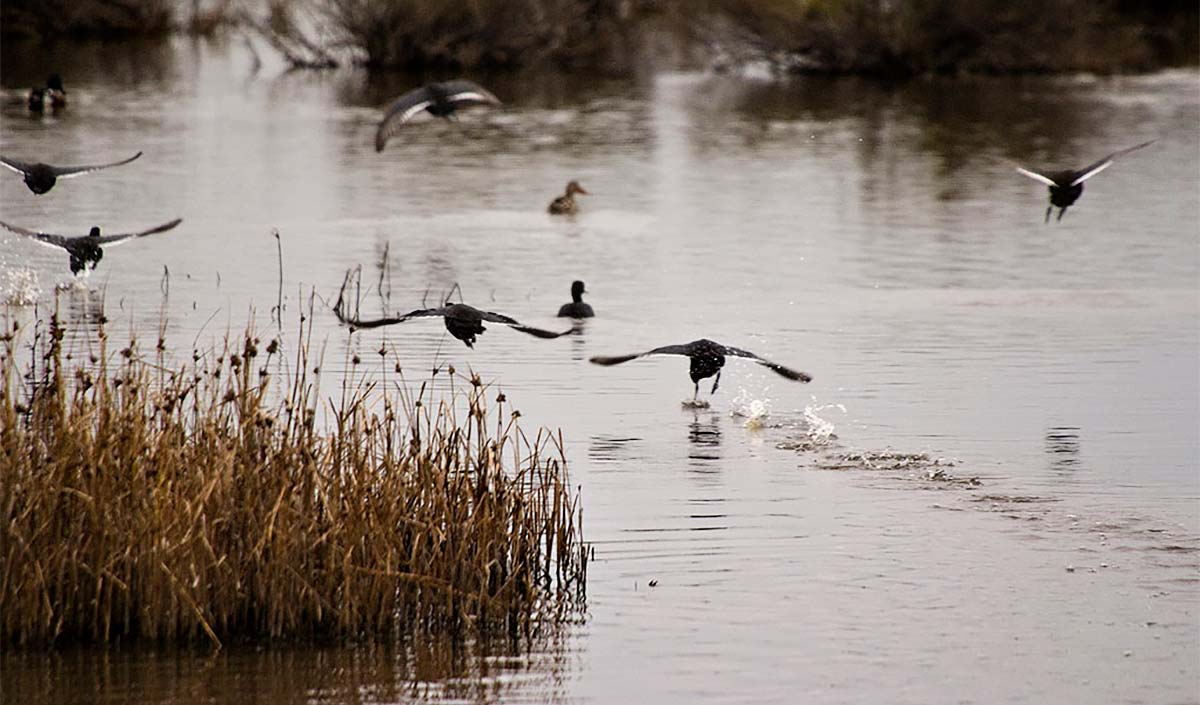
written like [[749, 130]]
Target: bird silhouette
[[707, 359], [53, 93], [87, 249], [577, 308], [40, 177], [1066, 186], [438, 99], [464, 322]]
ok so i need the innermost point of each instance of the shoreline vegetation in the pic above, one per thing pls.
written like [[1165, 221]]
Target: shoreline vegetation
[[150, 503], [860, 37]]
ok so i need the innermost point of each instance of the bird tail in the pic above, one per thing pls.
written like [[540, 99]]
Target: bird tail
[[612, 359]]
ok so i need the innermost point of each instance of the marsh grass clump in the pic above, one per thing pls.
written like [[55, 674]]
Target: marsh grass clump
[[199, 502]]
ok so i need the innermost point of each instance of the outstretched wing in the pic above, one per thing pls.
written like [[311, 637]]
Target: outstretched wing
[[468, 93], [67, 172], [516, 325], [122, 237], [18, 166], [387, 320], [1036, 176], [773, 366], [1092, 169], [618, 359], [44, 238], [401, 111]]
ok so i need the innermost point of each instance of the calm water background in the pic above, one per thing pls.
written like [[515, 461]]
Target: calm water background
[[870, 235]]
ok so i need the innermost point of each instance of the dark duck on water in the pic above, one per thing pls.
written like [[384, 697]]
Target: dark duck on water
[[577, 308], [87, 249], [1066, 186], [565, 204], [707, 358], [438, 99], [40, 177]]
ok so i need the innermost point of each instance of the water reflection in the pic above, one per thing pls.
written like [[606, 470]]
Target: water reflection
[[611, 449], [1062, 447], [704, 435], [441, 670]]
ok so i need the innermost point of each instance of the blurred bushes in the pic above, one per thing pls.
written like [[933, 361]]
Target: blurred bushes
[[51, 19]]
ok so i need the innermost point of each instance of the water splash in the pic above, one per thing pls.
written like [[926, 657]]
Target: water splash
[[820, 429], [21, 287], [754, 411]]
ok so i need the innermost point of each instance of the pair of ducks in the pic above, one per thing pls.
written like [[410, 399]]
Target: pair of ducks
[[52, 96]]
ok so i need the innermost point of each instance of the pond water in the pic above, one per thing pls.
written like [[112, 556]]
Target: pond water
[[990, 492]]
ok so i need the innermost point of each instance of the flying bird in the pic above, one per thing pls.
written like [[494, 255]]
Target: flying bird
[[565, 204], [53, 93], [707, 359], [464, 322], [577, 308], [439, 99], [87, 249], [40, 177], [1066, 186]]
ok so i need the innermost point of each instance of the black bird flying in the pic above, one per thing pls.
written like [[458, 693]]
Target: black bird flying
[[577, 308], [439, 99], [40, 177], [707, 359], [1066, 186], [464, 322], [87, 249]]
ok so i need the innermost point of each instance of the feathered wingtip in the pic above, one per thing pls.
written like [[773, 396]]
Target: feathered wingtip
[[788, 372], [541, 332], [607, 360]]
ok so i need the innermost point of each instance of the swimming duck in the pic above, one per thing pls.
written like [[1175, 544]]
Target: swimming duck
[[464, 322], [87, 249], [53, 93], [439, 99], [1066, 186], [577, 308], [565, 204], [40, 177], [707, 359]]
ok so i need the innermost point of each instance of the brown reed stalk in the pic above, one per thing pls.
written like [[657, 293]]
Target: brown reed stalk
[[205, 502]]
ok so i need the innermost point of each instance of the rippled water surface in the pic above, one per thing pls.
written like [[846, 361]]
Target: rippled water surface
[[990, 492]]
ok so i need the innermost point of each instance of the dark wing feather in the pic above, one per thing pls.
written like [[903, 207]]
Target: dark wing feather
[[18, 166], [47, 238], [1092, 169], [387, 320], [517, 325], [773, 366], [67, 172], [618, 359], [122, 237], [401, 111]]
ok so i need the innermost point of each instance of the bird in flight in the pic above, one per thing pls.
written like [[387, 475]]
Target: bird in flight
[[439, 99], [707, 359], [464, 322], [87, 249], [1066, 186], [40, 177]]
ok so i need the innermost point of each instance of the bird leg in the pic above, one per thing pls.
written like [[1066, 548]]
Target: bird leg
[[696, 396], [1060, 214], [1049, 210], [716, 382]]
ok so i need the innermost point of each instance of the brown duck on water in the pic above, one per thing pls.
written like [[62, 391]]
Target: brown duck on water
[[438, 99], [565, 204], [707, 359], [1066, 186], [40, 177], [87, 249]]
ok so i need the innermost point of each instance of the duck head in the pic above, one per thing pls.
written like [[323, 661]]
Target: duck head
[[577, 291], [94, 232], [573, 188]]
